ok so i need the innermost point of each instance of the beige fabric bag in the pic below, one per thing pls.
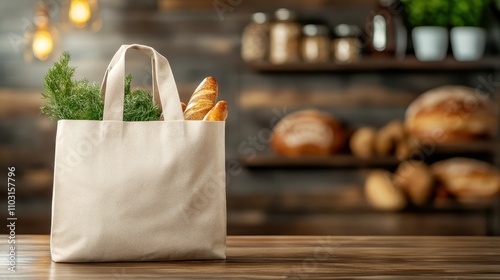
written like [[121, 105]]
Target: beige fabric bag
[[139, 191]]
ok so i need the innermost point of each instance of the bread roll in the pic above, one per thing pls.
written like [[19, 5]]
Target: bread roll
[[382, 193], [388, 137], [403, 149], [416, 180], [467, 178], [396, 129], [407, 148], [307, 132], [202, 100], [362, 142], [451, 113]]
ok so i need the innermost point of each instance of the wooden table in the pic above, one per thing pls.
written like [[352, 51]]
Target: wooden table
[[287, 257]]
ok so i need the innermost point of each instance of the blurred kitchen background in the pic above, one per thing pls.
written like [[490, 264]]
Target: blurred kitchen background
[[357, 64]]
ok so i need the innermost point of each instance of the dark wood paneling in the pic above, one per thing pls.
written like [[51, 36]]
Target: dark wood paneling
[[198, 43]]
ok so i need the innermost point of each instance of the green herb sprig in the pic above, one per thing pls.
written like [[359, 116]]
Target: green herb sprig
[[427, 12], [445, 12], [69, 99], [467, 13]]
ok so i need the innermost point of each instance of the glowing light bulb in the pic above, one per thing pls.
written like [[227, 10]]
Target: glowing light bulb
[[43, 44], [79, 12]]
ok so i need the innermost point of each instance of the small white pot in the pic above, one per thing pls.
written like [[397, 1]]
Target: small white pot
[[430, 42], [467, 42]]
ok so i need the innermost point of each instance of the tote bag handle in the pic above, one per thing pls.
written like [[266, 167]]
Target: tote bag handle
[[164, 87]]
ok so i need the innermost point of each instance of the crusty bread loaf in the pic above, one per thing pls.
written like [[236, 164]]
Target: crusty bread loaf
[[467, 178], [307, 132], [451, 113]]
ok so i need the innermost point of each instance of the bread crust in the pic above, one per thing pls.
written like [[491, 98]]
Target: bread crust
[[469, 178], [218, 112], [307, 132], [202, 100], [452, 113]]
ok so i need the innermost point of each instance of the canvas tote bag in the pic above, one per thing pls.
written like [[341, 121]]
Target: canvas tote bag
[[139, 191]]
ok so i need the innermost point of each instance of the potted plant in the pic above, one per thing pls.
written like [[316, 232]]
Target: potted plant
[[468, 39], [429, 19]]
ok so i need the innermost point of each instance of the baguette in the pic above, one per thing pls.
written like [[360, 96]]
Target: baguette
[[218, 112], [183, 106], [202, 100]]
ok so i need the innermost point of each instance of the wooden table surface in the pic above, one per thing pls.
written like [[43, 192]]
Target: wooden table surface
[[287, 257]]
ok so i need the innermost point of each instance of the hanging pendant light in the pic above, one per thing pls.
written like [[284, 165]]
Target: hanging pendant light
[[42, 39], [81, 14], [43, 44]]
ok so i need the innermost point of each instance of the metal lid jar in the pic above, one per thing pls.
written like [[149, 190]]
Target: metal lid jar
[[315, 45], [255, 38], [346, 48], [285, 36]]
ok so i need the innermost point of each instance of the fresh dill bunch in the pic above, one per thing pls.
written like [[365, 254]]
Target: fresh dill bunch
[[70, 99], [139, 106]]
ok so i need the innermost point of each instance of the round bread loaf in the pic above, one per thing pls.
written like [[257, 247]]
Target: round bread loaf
[[451, 113], [467, 178], [307, 132]]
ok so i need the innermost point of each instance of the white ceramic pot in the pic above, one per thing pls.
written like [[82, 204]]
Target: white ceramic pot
[[467, 42], [430, 42]]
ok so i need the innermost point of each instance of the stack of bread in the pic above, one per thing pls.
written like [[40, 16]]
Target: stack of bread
[[439, 116], [307, 133], [461, 178]]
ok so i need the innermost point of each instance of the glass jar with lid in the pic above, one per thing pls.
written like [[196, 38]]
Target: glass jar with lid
[[285, 36], [346, 47], [315, 46], [255, 38]]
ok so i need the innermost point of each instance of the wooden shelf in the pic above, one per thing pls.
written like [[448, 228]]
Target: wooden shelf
[[350, 161], [482, 146], [260, 5], [343, 160], [410, 63], [346, 200]]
